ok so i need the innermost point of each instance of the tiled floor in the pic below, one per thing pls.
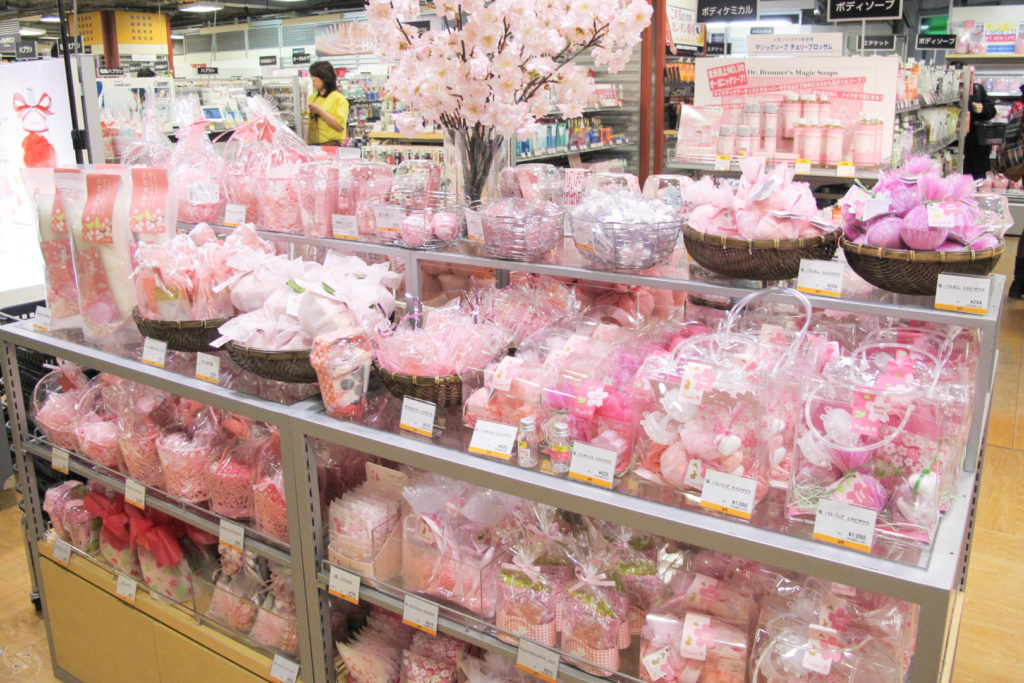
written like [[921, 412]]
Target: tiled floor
[[991, 649]]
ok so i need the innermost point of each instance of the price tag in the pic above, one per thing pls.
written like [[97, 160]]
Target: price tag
[[822, 644], [877, 205], [60, 459], [62, 552], [493, 439], [232, 535], [845, 169], [963, 293], [344, 584], [42, 320], [154, 352], [941, 214], [344, 227], [234, 215], [475, 226], [420, 614], [417, 416], [126, 588], [728, 493], [592, 464], [203, 193], [208, 367], [846, 525], [537, 660], [802, 166], [824, 278], [135, 493], [291, 306], [284, 670], [389, 218], [722, 162]]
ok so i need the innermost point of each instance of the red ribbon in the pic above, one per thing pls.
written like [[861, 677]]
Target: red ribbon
[[116, 518], [23, 108], [158, 533]]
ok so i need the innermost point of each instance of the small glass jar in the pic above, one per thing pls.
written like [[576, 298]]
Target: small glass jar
[[526, 444], [561, 449]]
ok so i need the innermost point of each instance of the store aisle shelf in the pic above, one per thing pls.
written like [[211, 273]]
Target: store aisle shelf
[[419, 137], [157, 500], [566, 151], [817, 172]]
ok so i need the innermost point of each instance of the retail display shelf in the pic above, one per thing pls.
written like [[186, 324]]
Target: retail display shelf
[[466, 628], [158, 500], [922, 104], [1005, 94], [565, 151], [817, 172], [419, 137], [987, 59], [937, 146], [183, 618]]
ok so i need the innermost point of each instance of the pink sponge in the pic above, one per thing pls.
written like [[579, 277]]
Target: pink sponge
[[885, 233]]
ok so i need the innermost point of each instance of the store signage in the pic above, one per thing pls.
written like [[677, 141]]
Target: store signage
[[878, 42], [946, 41], [963, 293], [859, 10], [728, 493], [25, 50], [683, 29], [74, 44], [762, 30], [302, 59], [716, 44], [824, 278], [8, 43], [207, 71], [810, 44], [725, 10], [344, 584], [269, 60], [110, 72], [417, 416]]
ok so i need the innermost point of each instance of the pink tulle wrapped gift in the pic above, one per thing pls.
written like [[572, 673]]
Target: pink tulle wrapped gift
[[271, 514]]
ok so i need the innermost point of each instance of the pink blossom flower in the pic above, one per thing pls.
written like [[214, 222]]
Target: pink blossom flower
[[705, 636]]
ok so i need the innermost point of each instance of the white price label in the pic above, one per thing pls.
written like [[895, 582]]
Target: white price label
[[42, 320], [208, 367], [234, 215], [941, 214], [388, 218], [537, 660], [822, 644], [475, 226], [126, 588], [493, 439], [802, 166], [232, 535], [135, 493], [506, 371], [879, 205], [154, 352], [592, 464], [846, 169], [291, 306], [963, 293], [824, 278], [60, 459], [417, 416], [655, 663], [344, 227], [846, 525], [722, 162], [420, 614], [62, 552], [583, 235], [728, 493], [203, 193], [344, 584], [284, 670]]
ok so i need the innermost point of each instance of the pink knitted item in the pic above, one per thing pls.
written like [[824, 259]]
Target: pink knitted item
[[270, 511], [184, 464], [230, 484], [141, 460]]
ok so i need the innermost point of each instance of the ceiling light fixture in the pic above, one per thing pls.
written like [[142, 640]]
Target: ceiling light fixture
[[177, 36], [31, 32], [201, 7], [50, 19]]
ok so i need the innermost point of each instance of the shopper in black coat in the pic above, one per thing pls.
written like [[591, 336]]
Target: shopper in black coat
[[980, 108]]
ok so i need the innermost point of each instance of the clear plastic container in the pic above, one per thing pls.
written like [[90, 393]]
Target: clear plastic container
[[517, 229], [418, 220]]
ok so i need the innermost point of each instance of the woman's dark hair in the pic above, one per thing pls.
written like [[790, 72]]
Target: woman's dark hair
[[325, 72]]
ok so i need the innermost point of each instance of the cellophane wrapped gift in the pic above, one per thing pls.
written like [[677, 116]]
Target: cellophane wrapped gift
[[55, 245], [276, 624], [417, 175], [115, 533], [363, 525], [450, 545], [731, 601], [432, 659], [235, 600], [144, 415], [753, 577], [56, 502], [232, 471], [195, 168], [493, 667], [95, 207], [786, 649], [544, 526], [71, 519], [168, 557], [184, 458], [270, 512], [594, 626], [244, 153], [342, 360], [361, 182], [679, 646], [375, 653], [55, 404], [638, 569], [97, 430], [527, 601], [152, 206], [533, 303], [869, 437], [701, 412], [318, 189], [152, 148]]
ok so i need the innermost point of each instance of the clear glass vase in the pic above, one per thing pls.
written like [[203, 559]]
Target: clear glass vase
[[476, 157]]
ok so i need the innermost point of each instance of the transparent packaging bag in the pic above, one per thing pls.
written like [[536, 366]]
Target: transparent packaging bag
[[55, 245], [195, 168]]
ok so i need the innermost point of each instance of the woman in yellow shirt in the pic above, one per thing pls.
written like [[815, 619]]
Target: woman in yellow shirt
[[328, 110]]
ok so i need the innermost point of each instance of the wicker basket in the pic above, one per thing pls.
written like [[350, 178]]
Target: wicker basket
[[906, 271], [283, 366], [444, 391], [757, 259], [180, 335]]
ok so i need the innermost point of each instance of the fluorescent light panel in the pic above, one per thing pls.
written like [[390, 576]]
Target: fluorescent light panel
[[201, 7]]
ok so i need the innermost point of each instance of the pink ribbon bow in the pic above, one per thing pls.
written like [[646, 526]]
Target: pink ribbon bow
[[585, 579], [22, 108], [519, 565]]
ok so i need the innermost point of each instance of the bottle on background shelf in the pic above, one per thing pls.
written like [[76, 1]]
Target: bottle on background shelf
[[790, 114], [833, 142], [726, 142], [798, 138], [812, 143], [809, 109], [771, 141], [742, 141]]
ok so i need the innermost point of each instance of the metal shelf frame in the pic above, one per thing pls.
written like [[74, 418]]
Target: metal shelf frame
[[934, 586]]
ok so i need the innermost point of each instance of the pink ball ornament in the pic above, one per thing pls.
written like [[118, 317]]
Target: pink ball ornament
[[416, 231], [885, 233], [445, 226]]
